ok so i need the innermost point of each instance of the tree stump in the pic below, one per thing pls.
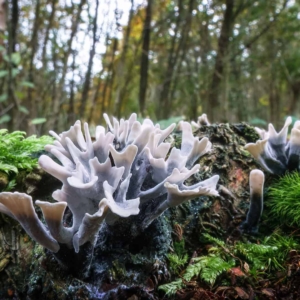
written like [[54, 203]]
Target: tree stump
[[27, 271]]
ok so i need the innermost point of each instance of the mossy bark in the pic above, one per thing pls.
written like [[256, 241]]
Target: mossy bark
[[29, 272]]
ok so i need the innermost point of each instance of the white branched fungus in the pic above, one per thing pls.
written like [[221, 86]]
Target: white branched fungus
[[274, 153], [127, 168]]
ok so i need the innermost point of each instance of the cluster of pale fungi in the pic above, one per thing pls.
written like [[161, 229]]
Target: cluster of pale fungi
[[104, 180], [128, 167], [276, 155]]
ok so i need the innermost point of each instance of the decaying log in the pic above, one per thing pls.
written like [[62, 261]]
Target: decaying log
[[27, 271]]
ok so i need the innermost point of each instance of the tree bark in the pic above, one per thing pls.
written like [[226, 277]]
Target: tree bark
[[213, 102], [182, 49], [71, 113], [97, 89], [145, 59], [32, 100], [163, 108], [13, 25], [110, 78], [121, 64], [86, 85], [49, 26], [293, 107], [57, 100]]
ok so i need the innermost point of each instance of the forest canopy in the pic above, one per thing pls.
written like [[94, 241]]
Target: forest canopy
[[77, 59]]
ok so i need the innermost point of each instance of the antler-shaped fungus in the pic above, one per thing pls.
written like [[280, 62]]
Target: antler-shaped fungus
[[274, 153], [112, 178]]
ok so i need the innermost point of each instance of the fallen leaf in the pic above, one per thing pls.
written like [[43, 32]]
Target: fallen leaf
[[241, 293], [237, 272], [246, 267], [268, 292]]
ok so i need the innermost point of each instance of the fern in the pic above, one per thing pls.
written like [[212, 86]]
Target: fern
[[257, 255], [207, 268], [212, 239], [11, 185], [172, 287], [269, 254], [283, 243], [176, 261]]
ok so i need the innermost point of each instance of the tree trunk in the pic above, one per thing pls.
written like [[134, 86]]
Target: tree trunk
[[145, 59], [100, 81], [57, 100], [213, 102], [49, 26], [109, 78], [86, 85], [71, 118], [32, 100], [120, 74], [182, 49], [163, 107], [293, 107], [13, 25]]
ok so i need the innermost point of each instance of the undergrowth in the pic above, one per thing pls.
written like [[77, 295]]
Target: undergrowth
[[18, 153], [268, 254]]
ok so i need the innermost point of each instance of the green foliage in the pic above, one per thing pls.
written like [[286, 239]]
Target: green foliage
[[207, 268], [270, 253], [172, 287], [216, 241], [283, 243], [284, 199], [11, 184], [38, 121], [258, 122], [165, 123], [176, 261], [260, 256], [179, 248], [16, 152]]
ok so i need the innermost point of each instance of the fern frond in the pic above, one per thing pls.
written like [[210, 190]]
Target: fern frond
[[172, 287], [208, 268], [260, 255], [214, 240], [176, 261]]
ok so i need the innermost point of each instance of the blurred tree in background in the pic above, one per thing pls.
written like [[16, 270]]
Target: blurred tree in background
[[61, 60]]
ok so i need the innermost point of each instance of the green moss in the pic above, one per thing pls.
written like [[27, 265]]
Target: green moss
[[119, 270], [19, 153], [283, 200]]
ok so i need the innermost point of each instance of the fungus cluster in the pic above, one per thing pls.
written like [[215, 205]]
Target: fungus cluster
[[274, 153], [129, 171]]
